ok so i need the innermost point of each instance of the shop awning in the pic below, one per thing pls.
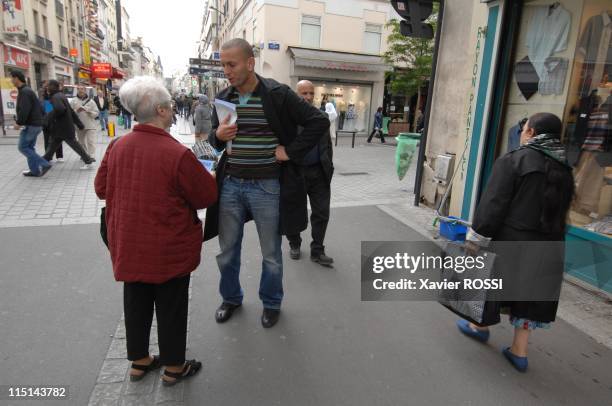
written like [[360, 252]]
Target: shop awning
[[314, 58], [117, 74]]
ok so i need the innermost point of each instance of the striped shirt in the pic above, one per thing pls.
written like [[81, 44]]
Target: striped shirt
[[253, 149]]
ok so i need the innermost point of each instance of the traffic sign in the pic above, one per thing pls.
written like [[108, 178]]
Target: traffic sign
[[199, 61]]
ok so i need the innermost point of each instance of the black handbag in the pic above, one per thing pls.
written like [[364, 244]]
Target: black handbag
[[103, 226], [475, 306]]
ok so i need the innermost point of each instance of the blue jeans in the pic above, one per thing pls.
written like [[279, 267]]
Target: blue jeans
[[260, 199], [27, 144], [127, 121], [104, 120]]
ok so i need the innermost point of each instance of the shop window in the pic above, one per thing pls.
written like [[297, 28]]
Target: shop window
[[372, 38], [351, 101], [311, 31], [563, 65]]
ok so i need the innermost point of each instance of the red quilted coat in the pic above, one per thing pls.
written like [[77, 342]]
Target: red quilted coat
[[153, 186]]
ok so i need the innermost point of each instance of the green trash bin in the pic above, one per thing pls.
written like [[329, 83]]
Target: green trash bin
[[407, 144]]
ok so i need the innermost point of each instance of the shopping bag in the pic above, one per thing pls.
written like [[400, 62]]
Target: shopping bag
[[474, 305], [120, 120]]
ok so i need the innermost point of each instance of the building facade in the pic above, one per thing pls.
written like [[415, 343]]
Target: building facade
[[502, 61], [337, 44], [67, 40]]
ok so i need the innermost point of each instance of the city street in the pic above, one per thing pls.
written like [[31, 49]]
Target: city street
[[61, 311]]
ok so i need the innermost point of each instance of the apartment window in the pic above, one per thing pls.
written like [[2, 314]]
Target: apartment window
[[60, 29], [373, 36], [254, 30], [36, 23], [311, 31], [45, 27]]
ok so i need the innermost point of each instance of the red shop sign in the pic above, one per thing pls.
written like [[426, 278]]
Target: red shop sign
[[101, 70], [16, 57]]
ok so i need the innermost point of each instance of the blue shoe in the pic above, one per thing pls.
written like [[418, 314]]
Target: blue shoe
[[520, 363], [464, 327]]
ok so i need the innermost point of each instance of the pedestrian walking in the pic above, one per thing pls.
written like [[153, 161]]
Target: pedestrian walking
[[318, 169], [47, 108], [202, 118], [154, 234], [259, 178], [332, 115], [29, 119], [378, 125], [526, 200], [87, 111], [60, 124], [103, 107]]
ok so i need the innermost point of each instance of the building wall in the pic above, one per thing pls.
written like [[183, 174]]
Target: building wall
[[455, 90]]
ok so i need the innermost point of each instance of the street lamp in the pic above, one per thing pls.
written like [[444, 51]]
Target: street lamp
[[217, 10]]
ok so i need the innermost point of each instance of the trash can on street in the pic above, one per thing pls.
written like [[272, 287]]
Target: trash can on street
[[406, 149]]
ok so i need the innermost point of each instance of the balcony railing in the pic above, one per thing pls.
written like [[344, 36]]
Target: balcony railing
[[64, 51], [59, 9], [48, 45], [40, 41]]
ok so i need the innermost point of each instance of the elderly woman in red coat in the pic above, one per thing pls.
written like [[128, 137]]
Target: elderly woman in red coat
[[153, 186]]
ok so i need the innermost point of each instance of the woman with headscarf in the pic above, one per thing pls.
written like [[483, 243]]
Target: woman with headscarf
[[202, 118], [331, 113], [526, 202]]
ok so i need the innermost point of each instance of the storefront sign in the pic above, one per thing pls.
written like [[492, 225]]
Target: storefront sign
[[480, 36], [16, 57], [346, 66], [86, 52], [74, 52], [9, 96], [101, 70], [273, 45], [13, 17]]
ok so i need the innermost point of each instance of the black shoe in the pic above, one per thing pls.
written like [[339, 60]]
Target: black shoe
[[225, 311], [322, 259], [29, 174], [295, 253], [269, 317], [44, 170]]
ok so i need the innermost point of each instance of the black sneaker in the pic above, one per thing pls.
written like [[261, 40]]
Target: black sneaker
[[29, 174], [295, 253], [322, 259], [225, 311], [269, 317]]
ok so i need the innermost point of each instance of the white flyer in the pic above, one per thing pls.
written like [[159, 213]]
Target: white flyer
[[225, 109]]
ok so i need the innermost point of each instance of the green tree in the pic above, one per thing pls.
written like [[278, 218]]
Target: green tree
[[414, 55]]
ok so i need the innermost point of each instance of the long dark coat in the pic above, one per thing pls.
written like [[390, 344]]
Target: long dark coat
[[510, 210], [61, 120]]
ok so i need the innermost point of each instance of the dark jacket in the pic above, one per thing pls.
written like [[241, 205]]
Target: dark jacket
[[29, 111], [284, 111], [102, 107], [326, 154], [61, 120], [153, 186], [511, 209]]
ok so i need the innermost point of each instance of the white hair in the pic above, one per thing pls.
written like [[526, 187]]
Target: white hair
[[142, 95]]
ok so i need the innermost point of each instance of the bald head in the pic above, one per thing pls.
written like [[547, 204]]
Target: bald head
[[305, 89]]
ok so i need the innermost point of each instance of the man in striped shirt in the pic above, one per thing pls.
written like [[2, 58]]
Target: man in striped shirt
[[260, 179]]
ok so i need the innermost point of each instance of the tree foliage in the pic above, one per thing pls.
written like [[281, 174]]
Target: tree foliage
[[413, 54]]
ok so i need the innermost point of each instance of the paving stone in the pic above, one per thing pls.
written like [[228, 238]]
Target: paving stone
[[113, 370]]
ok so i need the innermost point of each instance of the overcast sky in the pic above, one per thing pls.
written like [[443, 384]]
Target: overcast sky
[[169, 28]]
